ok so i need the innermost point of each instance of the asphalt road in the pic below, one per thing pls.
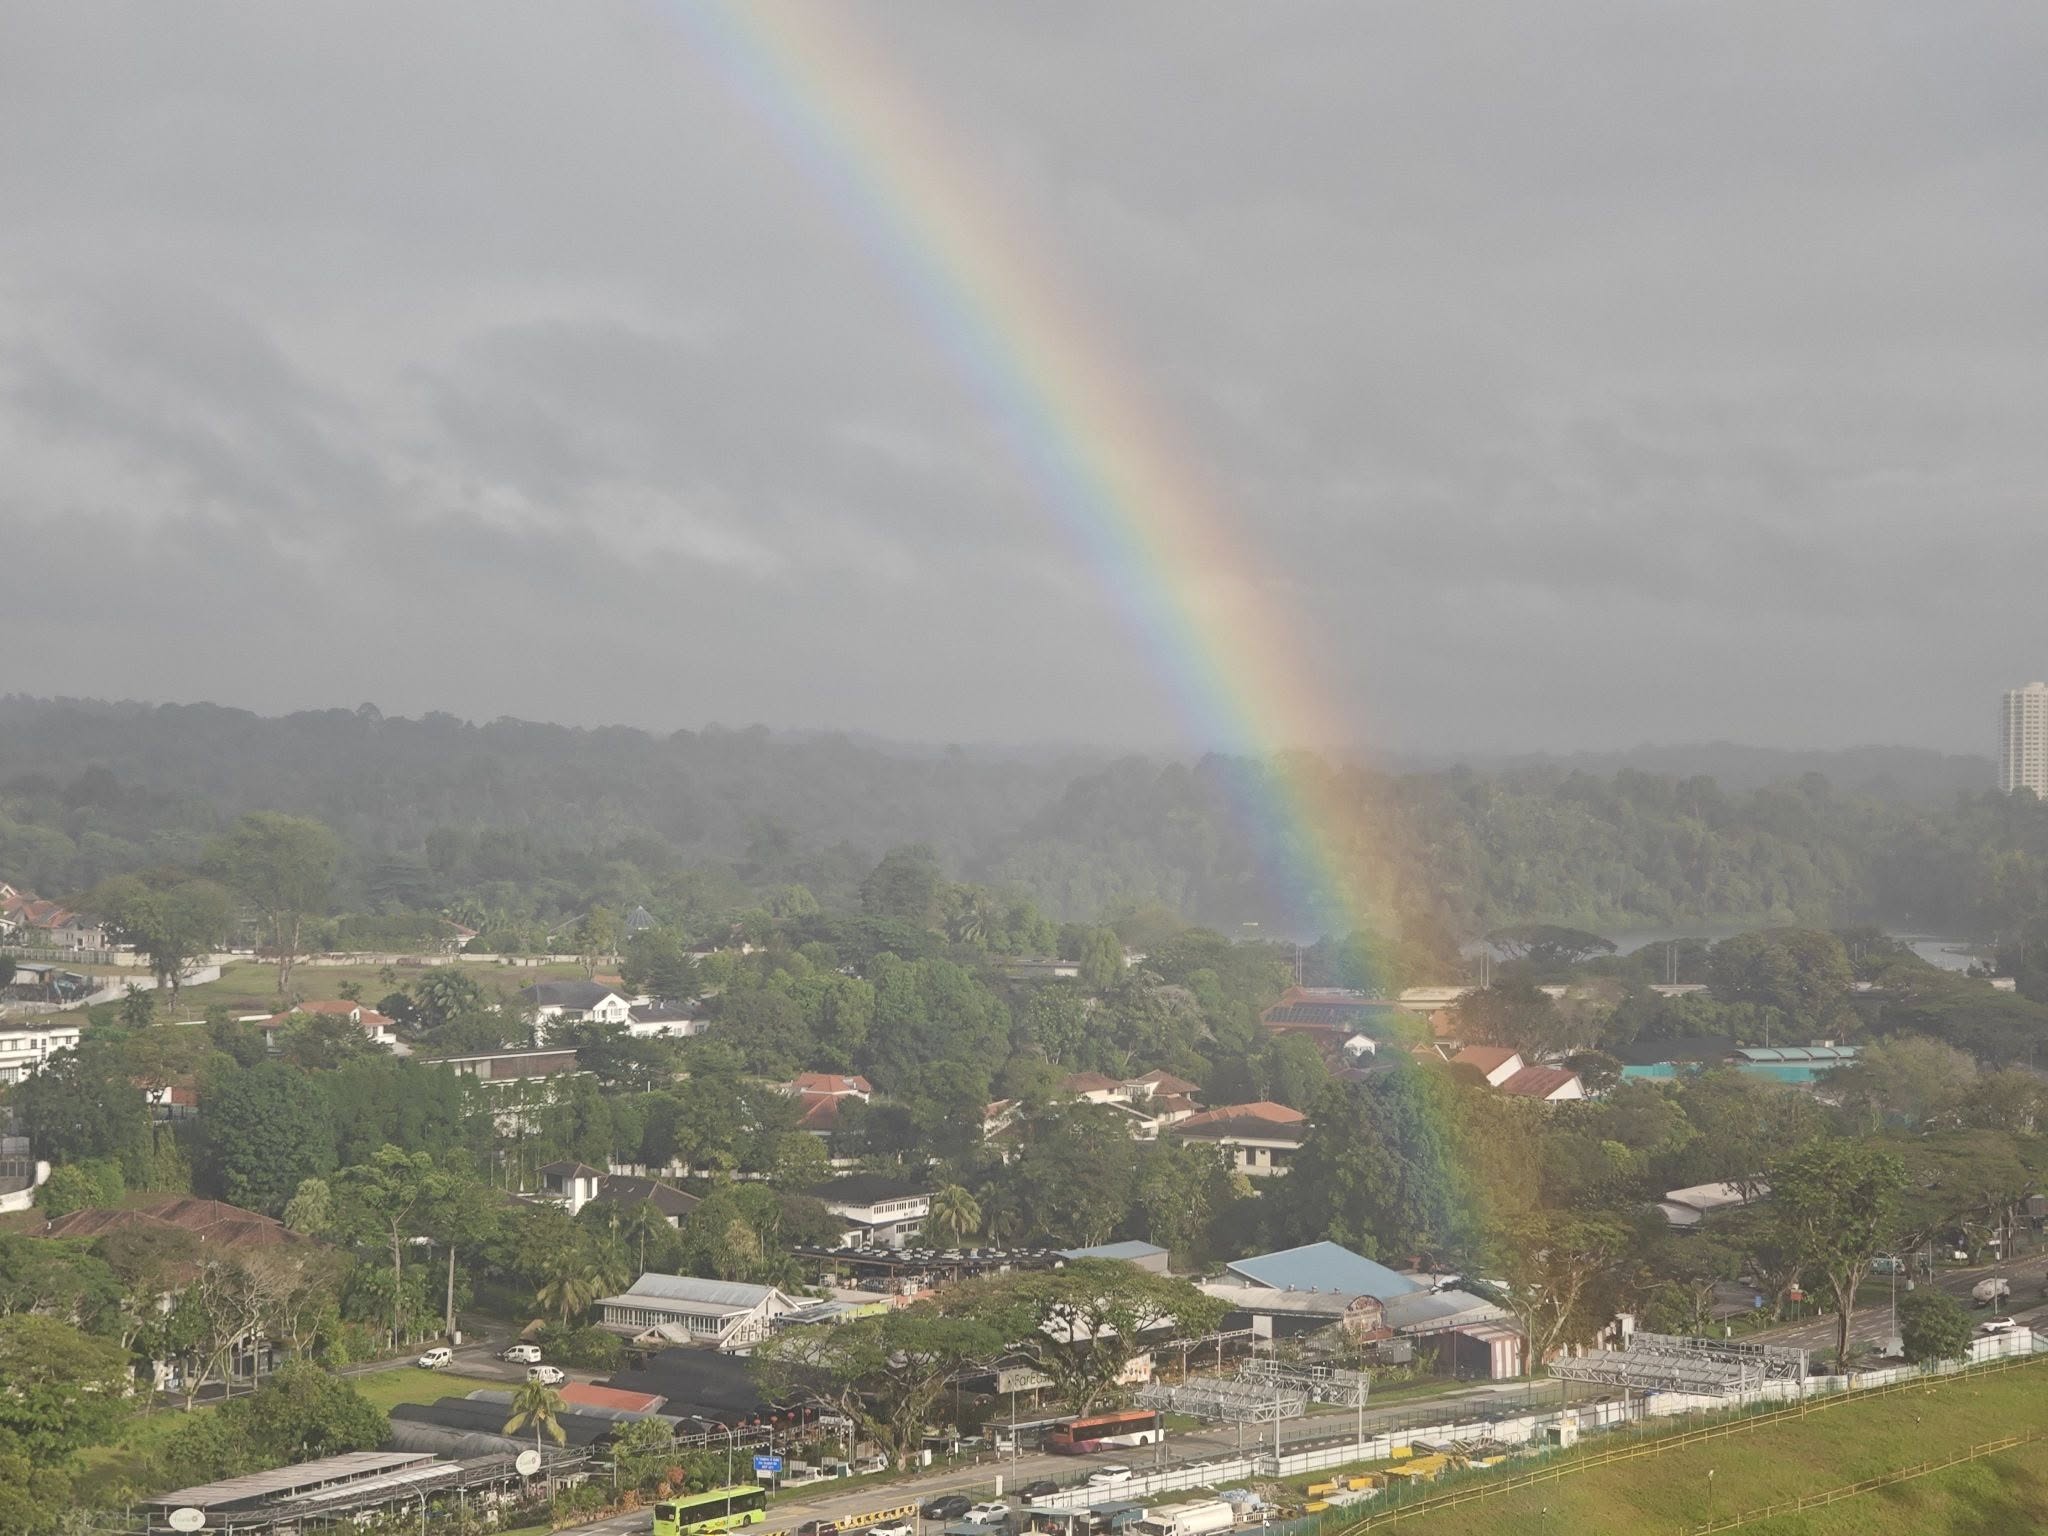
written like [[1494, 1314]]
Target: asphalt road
[[978, 1478], [1872, 1324]]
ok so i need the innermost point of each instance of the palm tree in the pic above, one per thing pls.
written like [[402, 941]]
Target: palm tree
[[541, 1406], [573, 1283], [954, 1215], [639, 1222]]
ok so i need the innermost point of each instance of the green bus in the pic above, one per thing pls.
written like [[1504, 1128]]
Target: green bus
[[721, 1509]]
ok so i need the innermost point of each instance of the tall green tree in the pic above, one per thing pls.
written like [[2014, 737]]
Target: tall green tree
[[1839, 1202], [267, 1129], [64, 1389], [284, 867], [391, 1196]]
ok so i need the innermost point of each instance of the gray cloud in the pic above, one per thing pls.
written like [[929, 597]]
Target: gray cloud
[[1578, 374]]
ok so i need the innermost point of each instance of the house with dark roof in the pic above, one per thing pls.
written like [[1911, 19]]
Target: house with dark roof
[[665, 1020], [504, 1067], [577, 1002], [576, 1185], [1261, 1138]]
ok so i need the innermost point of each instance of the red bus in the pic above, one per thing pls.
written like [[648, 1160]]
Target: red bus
[[1077, 1437]]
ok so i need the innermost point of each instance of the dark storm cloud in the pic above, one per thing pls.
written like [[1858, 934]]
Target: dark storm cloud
[[1580, 373]]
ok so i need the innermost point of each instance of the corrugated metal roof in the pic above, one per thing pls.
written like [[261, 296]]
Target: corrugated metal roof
[[710, 1293], [1130, 1250], [1323, 1266], [287, 1480]]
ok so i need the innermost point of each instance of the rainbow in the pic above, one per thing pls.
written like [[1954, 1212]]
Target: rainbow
[[1079, 423]]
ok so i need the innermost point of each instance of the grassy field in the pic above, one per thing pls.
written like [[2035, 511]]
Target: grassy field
[[387, 1389], [1825, 1449], [246, 987]]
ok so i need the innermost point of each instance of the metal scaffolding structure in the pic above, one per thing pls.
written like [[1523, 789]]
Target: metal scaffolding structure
[[1228, 1399], [1656, 1362], [1323, 1383]]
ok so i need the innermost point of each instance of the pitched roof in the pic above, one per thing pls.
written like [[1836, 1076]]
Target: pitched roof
[[818, 1111], [713, 1295], [1133, 1251], [583, 995], [220, 1224], [1087, 1082], [1487, 1058], [867, 1189], [1538, 1082], [1259, 1109], [1323, 1266], [1165, 1082], [829, 1082], [628, 1189], [572, 1170]]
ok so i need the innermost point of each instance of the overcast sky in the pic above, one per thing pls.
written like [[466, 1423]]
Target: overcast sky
[[1584, 373]]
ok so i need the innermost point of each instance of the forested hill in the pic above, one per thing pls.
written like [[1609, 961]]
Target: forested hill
[[435, 808]]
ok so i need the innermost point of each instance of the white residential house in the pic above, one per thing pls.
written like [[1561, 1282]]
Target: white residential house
[[26, 1044], [661, 1310], [578, 1002], [879, 1212], [1261, 1138], [671, 1021], [372, 1023]]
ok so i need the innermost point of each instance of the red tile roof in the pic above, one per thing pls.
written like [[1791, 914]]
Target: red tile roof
[[220, 1224], [1538, 1082], [1088, 1082], [581, 1394], [829, 1082], [1487, 1058], [1260, 1117], [818, 1111]]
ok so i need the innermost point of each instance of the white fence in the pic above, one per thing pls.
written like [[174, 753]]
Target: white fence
[[1590, 1417]]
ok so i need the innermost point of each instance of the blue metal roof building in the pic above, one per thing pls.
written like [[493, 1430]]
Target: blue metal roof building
[[1323, 1266]]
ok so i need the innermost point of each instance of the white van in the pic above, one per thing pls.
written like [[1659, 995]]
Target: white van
[[436, 1358]]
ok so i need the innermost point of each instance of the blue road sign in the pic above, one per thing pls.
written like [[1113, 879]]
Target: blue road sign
[[768, 1464]]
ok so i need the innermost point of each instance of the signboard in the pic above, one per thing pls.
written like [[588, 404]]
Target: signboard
[[187, 1519], [527, 1464], [770, 1465]]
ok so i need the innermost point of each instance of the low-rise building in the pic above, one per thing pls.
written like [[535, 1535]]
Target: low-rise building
[[1261, 1138], [575, 1185], [681, 1309], [373, 1024], [879, 1212], [1692, 1205], [27, 1044], [575, 1002]]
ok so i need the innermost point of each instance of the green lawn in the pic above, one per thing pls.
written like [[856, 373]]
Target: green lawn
[[409, 1384], [246, 987], [1825, 1449]]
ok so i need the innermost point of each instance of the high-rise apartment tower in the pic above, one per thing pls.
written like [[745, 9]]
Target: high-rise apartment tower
[[2023, 740]]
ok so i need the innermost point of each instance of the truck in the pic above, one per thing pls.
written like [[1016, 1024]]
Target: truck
[[1989, 1292], [1200, 1517]]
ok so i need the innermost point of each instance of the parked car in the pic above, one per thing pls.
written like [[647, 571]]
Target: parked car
[[1109, 1477], [897, 1528], [1997, 1325], [547, 1375], [817, 1528], [950, 1506], [521, 1354], [435, 1358], [1044, 1488], [988, 1512]]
